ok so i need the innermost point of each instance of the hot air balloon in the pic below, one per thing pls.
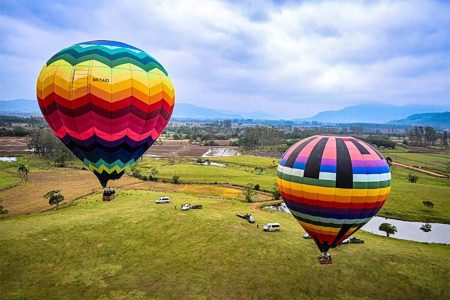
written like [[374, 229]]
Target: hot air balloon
[[333, 186], [107, 102]]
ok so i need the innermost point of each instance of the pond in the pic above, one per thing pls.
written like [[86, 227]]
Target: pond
[[220, 152], [8, 158], [440, 233]]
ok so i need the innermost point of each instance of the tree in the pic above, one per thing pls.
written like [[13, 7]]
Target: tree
[[276, 193], [54, 197], [60, 160], [388, 228], [248, 192], [23, 171], [430, 135], [257, 187], [153, 172], [428, 204], [175, 179], [445, 138], [3, 211]]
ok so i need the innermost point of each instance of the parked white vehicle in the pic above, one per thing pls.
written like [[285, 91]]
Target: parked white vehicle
[[163, 200], [272, 227], [185, 206]]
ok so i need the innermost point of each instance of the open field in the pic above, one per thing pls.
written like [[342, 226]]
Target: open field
[[28, 196], [190, 172], [133, 248], [438, 162], [405, 201]]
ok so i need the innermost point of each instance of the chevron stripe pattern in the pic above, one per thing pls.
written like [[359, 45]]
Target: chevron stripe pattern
[[107, 102], [333, 186]]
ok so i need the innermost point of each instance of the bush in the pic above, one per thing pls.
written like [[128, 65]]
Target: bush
[[3, 211], [276, 193], [175, 179], [413, 178], [428, 204], [257, 187], [248, 192]]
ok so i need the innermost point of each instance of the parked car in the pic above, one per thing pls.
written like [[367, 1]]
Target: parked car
[[272, 227], [185, 206], [246, 216], [306, 236], [163, 200]]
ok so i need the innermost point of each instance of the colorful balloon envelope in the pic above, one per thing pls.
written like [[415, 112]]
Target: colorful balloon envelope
[[107, 102], [333, 186]]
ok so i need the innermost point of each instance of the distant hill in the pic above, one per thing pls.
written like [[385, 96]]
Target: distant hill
[[25, 107], [440, 120], [190, 111], [20, 107], [374, 113]]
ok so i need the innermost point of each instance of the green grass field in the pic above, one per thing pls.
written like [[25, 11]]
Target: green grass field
[[429, 161], [189, 171], [405, 201], [131, 248]]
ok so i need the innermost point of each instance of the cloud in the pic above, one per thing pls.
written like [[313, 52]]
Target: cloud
[[290, 59]]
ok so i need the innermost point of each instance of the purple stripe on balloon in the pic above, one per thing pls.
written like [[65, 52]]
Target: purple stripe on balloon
[[328, 162], [368, 163], [301, 159]]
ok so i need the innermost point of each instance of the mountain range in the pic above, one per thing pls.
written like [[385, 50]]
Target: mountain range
[[438, 120], [413, 114], [374, 113]]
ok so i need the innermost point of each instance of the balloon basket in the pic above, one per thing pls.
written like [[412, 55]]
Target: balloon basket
[[325, 259], [109, 194]]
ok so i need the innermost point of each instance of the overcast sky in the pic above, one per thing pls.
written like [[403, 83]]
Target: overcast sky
[[289, 59]]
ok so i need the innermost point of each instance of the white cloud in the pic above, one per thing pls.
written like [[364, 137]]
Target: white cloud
[[307, 56]]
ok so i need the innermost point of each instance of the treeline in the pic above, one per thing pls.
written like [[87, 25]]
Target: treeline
[[7, 121], [44, 143], [426, 136], [19, 126]]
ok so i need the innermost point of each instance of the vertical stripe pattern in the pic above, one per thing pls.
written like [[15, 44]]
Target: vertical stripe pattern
[[333, 186]]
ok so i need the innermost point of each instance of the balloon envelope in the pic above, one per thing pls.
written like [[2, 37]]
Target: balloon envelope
[[333, 186], [107, 102]]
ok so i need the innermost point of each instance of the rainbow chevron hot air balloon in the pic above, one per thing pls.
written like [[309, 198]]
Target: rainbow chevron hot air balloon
[[333, 186], [107, 102]]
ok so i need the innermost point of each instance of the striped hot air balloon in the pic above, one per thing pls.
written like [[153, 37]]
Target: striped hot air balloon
[[333, 186], [107, 102]]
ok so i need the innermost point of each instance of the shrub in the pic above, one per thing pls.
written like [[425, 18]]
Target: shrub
[[276, 193], [3, 211], [428, 204], [413, 178], [248, 192], [175, 179], [257, 187]]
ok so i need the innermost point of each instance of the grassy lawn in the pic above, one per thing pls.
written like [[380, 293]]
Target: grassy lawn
[[132, 248]]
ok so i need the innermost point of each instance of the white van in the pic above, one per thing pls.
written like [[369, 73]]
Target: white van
[[272, 227], [163, 200]]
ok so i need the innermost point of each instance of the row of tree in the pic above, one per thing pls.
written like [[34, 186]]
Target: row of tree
[[425, 136]]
